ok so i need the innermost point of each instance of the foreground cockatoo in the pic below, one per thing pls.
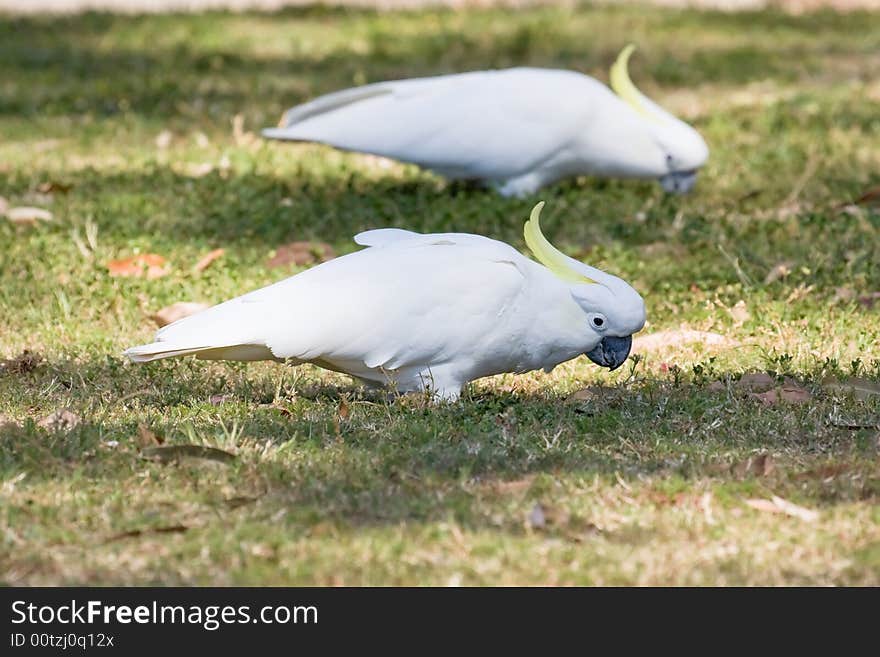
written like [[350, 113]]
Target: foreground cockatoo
[[421, 312], [516, 129]]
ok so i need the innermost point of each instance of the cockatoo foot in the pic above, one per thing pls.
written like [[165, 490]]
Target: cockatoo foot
[[427, 396], [433, 393], [458, 185]]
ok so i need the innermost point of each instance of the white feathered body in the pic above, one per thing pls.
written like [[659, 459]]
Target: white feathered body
[[517, 129], [411, 311]]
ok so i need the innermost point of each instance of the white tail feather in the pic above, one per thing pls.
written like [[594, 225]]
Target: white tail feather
[[148, 352], [159, 350]]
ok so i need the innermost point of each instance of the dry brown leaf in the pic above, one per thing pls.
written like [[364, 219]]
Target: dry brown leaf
[[826, 471], [868, 300], [794, 394], [778, 505], [869, 197], [663, 248], [800, 292], [843, 294], [60, 420], [301, 253], [216, 400], [27, 215], [284, 412], [514, 486], [147, 438], [239, 501], [779, 272], [170, 314], [763, 505], [790, 393], [761, 465], [860, 388], [587, 394], [134, 533], [150, 265], [749, 382], [26, 361], [593, 393], [343, 411], [52, 186], [207, 259], [166, 453], [740, 313], [662, 340], [756, 382]]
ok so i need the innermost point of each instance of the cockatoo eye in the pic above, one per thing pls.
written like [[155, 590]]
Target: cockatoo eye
[[598, 321]]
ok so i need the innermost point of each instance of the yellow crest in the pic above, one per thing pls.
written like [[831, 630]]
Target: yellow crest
[[623, 86], [547, 254]]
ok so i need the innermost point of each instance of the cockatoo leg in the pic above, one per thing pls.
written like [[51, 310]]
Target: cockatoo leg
[[442, 384], [521, 186], [439, 384]]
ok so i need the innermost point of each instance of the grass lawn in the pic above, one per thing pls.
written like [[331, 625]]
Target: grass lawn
[[673, 471]]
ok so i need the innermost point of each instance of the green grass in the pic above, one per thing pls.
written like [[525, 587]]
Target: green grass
[[646, 483]]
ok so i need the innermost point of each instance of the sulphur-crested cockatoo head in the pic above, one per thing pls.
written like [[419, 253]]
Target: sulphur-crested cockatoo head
[[668, 147], [613, 310]]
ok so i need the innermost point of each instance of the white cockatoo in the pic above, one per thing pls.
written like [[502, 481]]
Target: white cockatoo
[[516, 129], [421, 312]]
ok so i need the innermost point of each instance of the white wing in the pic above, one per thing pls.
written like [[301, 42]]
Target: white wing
[[488, 124], [411, 301], [384, 236]]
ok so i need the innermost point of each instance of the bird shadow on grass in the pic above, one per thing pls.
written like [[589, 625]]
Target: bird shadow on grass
[[370, 480], [65, 67], [648, 427], [258, 209], [316, 461]]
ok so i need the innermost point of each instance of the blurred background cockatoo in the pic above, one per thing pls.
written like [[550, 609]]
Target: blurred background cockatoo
[[421, 312], [516, 129]]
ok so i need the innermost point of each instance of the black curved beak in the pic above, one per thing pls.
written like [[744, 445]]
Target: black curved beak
[[611, 352]]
